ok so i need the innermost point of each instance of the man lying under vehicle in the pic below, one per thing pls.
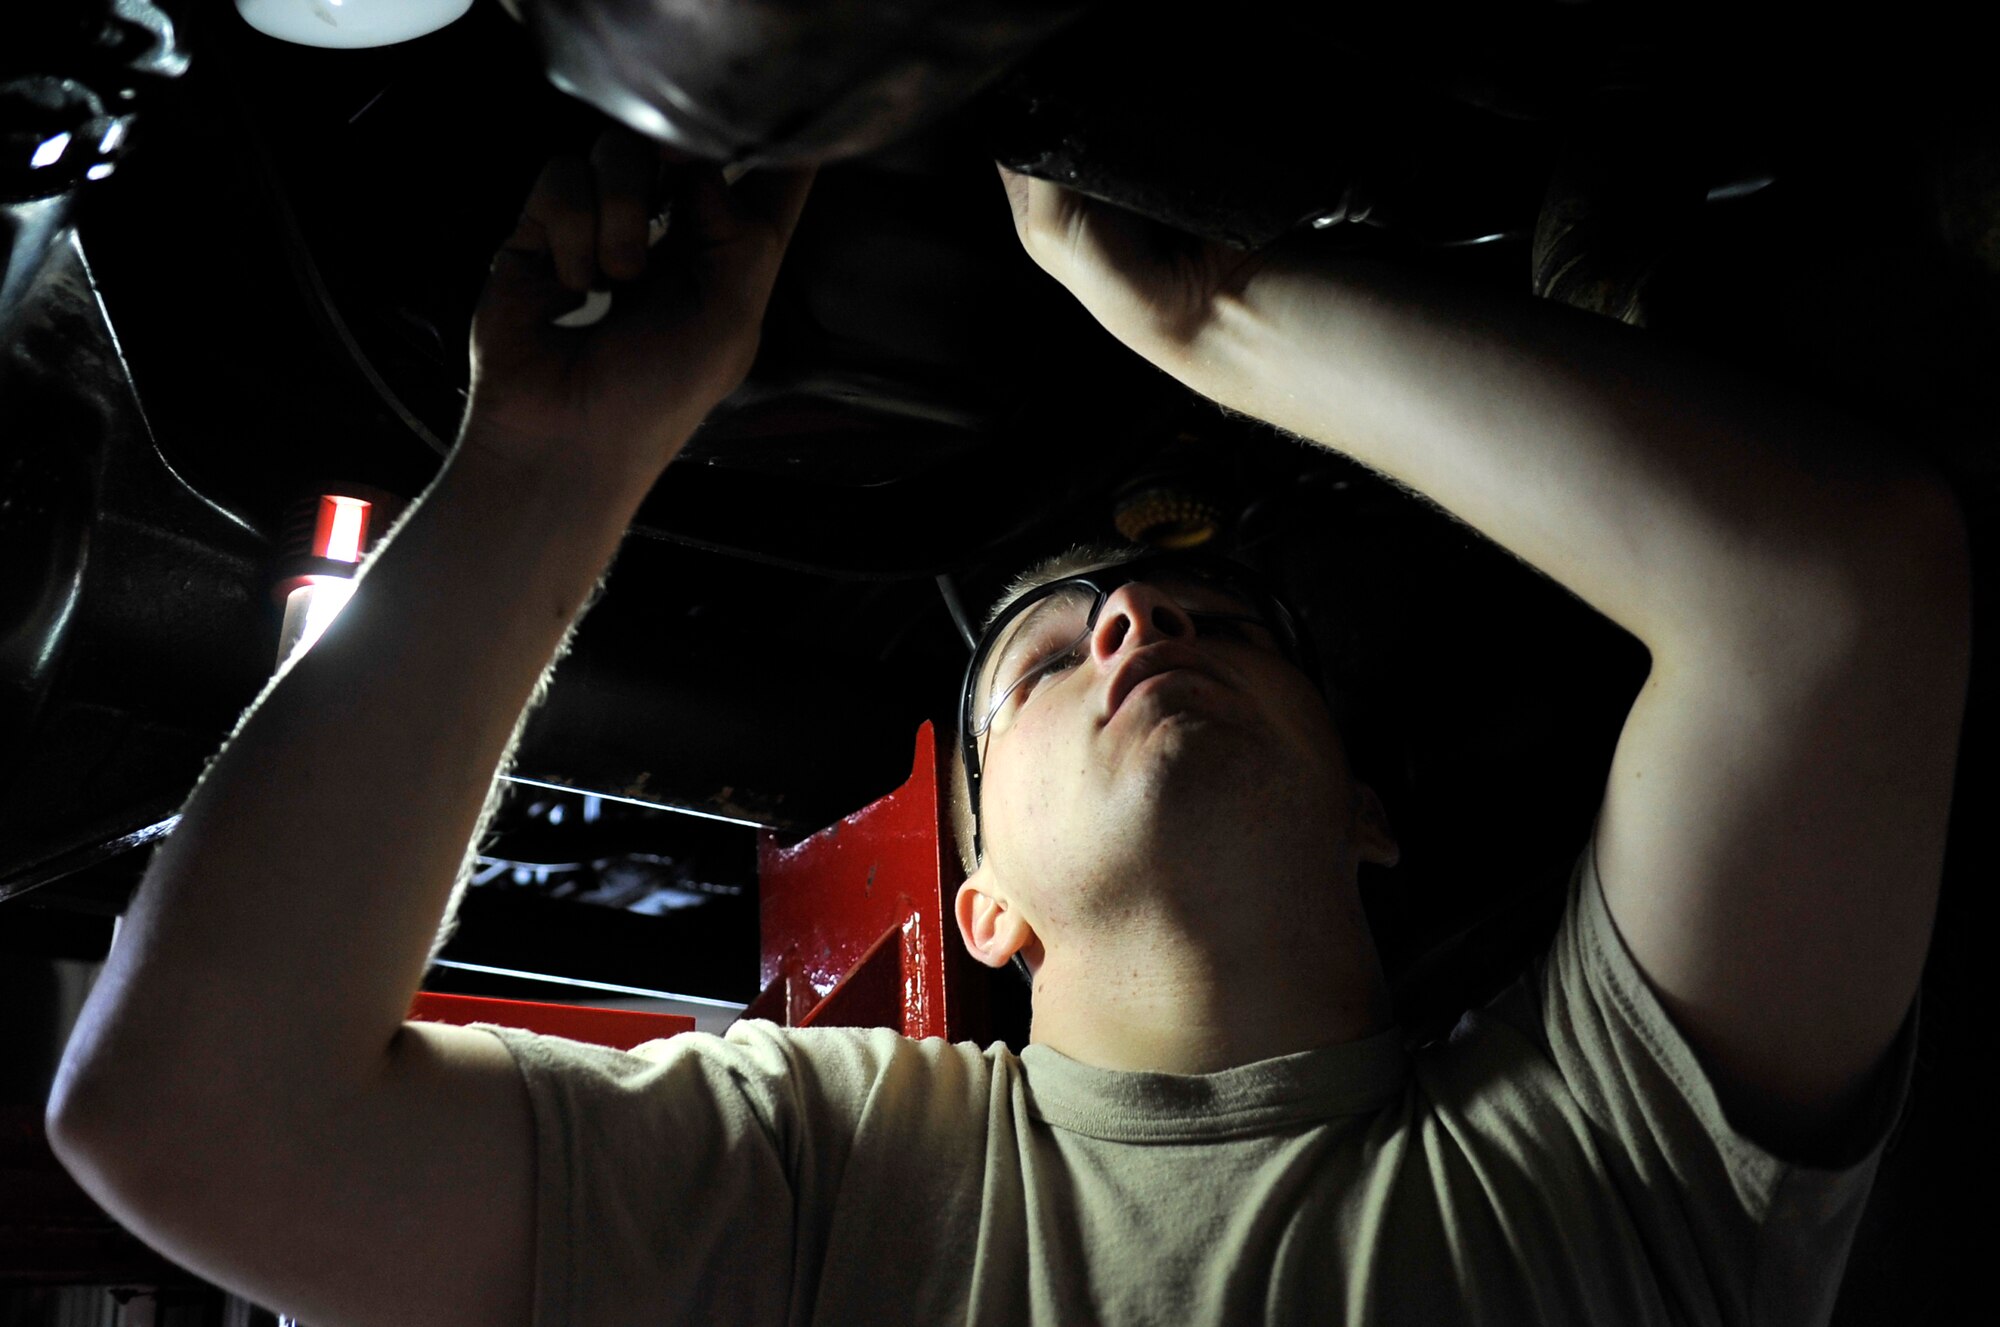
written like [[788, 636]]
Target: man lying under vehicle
[[1674, 1116]]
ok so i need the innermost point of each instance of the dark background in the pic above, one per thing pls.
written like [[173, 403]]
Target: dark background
[[288, 256]]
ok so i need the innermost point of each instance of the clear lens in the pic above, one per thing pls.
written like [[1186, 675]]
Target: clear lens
[[1052, 628], [1038, 637]]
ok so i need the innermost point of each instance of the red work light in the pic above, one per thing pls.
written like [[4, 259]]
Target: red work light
[[325, 539]]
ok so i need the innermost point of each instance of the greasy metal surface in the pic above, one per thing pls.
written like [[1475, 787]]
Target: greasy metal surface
[[1246, 130], [912, 355], [71, 76], [29, 233], [81, 857], [783, 80], [853, 918], [130, 631]]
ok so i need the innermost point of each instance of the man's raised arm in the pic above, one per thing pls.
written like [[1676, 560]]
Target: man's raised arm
[[1773, 830], [241, 1088], [1672, 496]]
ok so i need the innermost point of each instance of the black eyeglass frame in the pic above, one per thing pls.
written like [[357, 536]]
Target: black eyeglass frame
[[1227, 575]]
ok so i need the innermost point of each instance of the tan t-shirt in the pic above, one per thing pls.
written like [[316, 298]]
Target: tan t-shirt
[[1560, 1158]]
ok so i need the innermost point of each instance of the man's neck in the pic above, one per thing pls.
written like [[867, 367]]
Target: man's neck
[[1145, 1000]]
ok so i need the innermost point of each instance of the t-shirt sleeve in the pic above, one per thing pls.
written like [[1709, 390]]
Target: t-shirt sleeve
[[668, 1176], [1722, 1215]]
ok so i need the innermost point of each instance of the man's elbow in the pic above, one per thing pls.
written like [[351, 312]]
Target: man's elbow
[[105, 1127], [91, 1145]]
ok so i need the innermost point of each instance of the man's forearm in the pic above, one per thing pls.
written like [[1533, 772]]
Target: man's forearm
[[280, 932], [1672, 496]]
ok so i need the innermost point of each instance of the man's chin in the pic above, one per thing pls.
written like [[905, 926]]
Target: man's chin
[[1184, 701], [1195, 758]]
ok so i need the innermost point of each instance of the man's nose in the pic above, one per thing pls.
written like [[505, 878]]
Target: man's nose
[[1137, 614]]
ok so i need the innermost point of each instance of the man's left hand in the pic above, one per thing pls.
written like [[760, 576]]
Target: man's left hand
[[1154, 288]]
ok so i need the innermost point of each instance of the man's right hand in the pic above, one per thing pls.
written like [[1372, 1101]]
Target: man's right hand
[[684, 325], [241, 1089]]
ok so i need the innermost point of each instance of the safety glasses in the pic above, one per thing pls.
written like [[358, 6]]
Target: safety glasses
[[1047, 631]]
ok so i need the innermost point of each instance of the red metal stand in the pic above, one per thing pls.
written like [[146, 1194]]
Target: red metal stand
[[621, 1029], [855, 926], [855, 919]]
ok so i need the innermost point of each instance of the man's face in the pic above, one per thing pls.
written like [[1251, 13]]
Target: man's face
[[1167, 736]]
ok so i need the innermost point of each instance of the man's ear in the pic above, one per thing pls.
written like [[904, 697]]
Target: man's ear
[[1374, 840], [992, 928]]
